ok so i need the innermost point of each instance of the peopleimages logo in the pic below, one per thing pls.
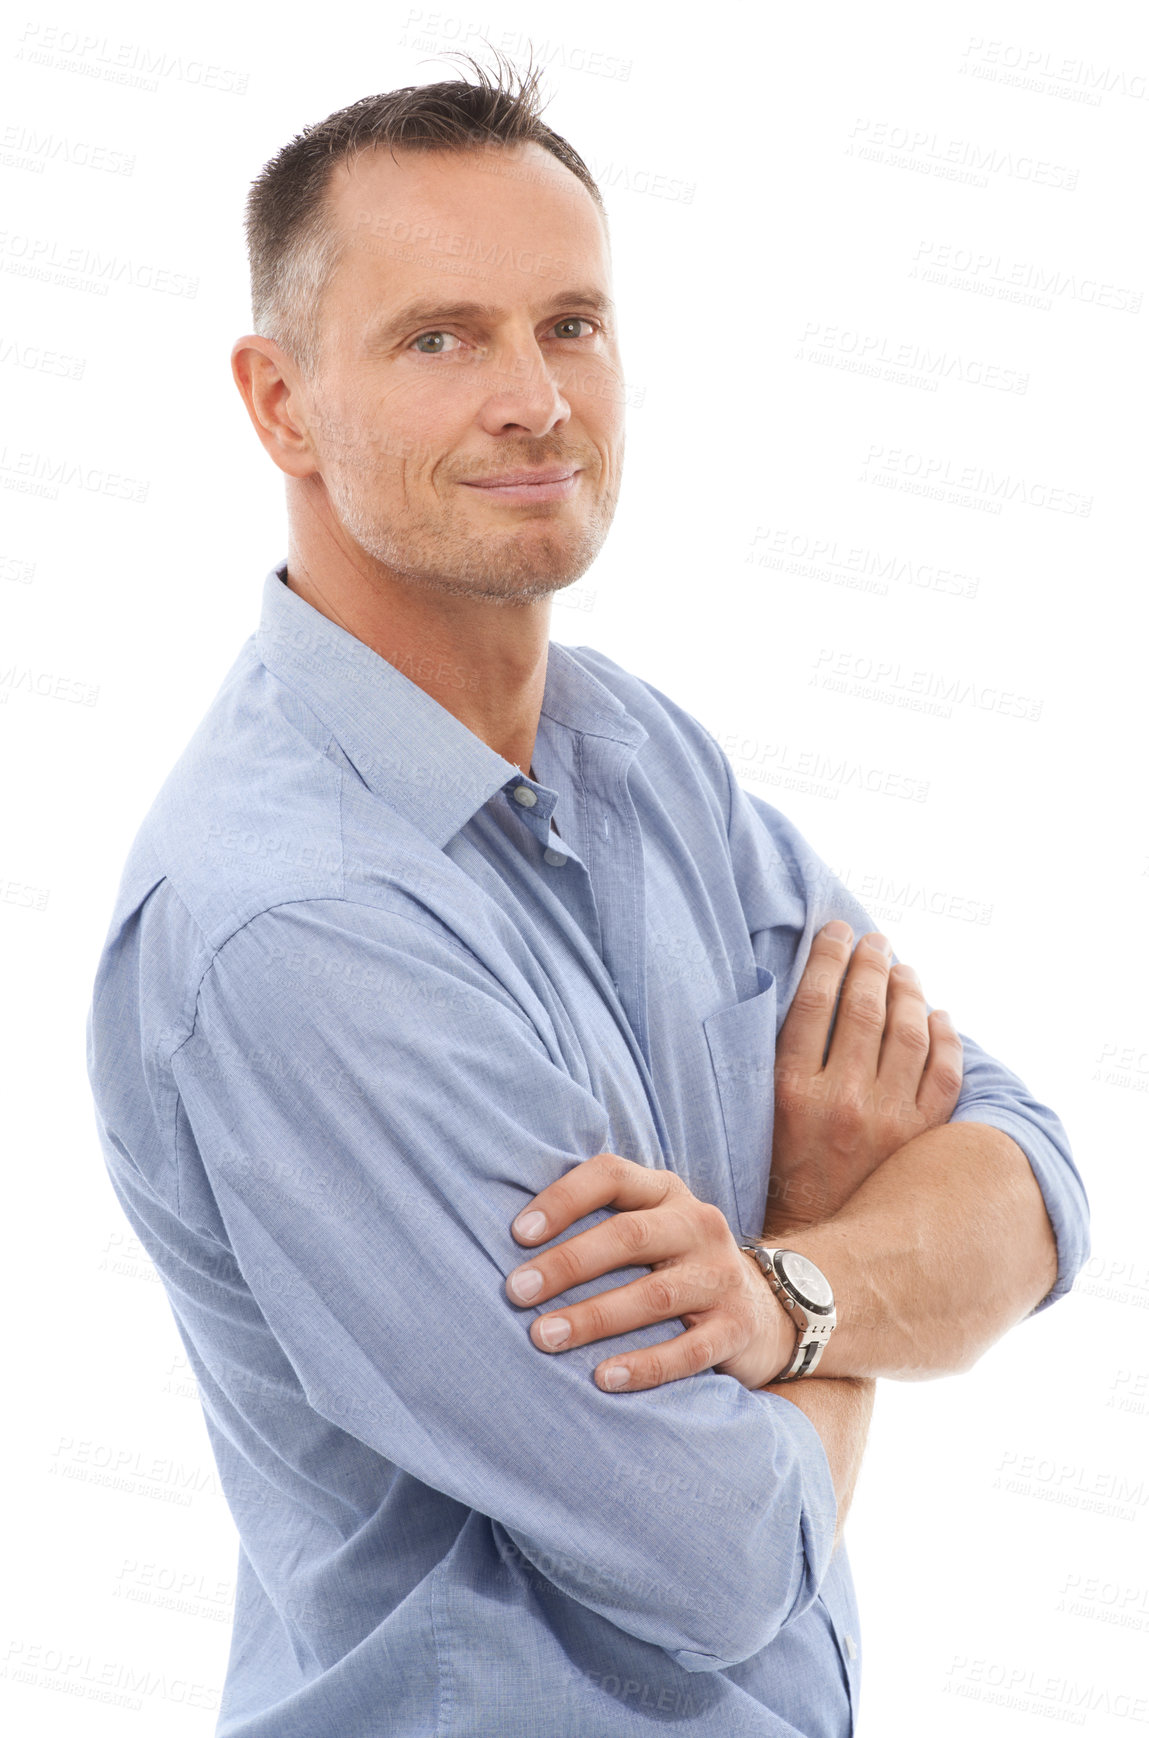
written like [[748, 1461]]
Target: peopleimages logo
[[45, 474], [929, 691], [810, 555], [47, 685], [1024, 282], [902, 362], [84, 268], [16, 353], [114, 1683], [888, 898], [943, 478], [815, 772], [611, 175], [1125, 1604], [929, 153], [1064, 76], [1042, 1695], [28, 148], [20, 893], [112, 61], [1070, 1485], [433, 29]]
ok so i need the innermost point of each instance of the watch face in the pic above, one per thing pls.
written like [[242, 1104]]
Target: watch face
[[808, 1281]]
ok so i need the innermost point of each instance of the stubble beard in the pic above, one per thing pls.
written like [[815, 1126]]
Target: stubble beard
[[433, 552]]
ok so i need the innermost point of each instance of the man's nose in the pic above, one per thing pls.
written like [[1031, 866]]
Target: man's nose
[[523, 394]]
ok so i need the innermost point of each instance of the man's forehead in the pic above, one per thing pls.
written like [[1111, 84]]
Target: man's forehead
[[425, 229], [525, 174]]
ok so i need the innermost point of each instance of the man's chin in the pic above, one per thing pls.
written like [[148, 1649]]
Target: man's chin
[[510, 579], [512, 570], [522, 587], [513, 564], [549, 562]]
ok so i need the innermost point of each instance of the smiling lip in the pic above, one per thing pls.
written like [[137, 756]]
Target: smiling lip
[[552, 483]]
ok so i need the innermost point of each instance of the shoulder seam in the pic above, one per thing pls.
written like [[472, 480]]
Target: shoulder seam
[[441, 934]]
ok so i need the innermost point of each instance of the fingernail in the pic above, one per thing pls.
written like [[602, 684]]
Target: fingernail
[[880, 944], [527, 1283], [838, 931], [616, 1376], [530, 1225], [555, 1331]]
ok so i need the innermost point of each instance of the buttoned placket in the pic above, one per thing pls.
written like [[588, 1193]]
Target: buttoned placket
[[614, 864], [613, 920], [536, 806]]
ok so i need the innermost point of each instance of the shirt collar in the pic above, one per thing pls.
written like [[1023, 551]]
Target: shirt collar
[[407, 748]]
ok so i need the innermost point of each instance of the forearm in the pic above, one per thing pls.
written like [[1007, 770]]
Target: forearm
[[942, 1248], [840, 1412]]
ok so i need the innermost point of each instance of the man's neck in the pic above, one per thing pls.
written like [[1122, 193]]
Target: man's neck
[[484, 662]]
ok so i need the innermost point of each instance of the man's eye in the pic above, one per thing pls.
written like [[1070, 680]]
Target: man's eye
[[574, 320], [433, 343]]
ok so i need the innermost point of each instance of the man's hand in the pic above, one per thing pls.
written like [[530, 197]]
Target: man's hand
[[734, 1323], [866, 1165], [891, 1073]]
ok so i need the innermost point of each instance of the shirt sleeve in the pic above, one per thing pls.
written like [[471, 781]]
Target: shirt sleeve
[[788, 893], [371, 1108]]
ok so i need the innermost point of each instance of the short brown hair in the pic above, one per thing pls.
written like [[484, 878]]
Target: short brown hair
[[291, 249]]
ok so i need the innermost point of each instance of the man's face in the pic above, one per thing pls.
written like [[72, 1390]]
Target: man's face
[[466, 336]]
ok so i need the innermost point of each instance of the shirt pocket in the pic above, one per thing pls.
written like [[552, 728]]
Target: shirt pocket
[[741, 1040]]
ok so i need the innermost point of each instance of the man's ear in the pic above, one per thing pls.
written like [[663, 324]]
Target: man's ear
[[271, 389]]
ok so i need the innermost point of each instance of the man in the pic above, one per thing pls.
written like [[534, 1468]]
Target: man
[[434, 1042]]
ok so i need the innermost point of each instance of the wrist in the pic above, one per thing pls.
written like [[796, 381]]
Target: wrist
[[842, 1256], [779, 1334], [805, 1297], [794, 1204]]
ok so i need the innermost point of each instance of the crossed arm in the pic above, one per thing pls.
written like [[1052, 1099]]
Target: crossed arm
[[934, 1235], [334, 1173]]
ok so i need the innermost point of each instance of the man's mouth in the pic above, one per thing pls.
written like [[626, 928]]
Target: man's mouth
[[546, 483]]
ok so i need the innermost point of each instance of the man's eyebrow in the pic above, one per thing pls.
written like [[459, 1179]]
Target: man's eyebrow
[[428, 313]]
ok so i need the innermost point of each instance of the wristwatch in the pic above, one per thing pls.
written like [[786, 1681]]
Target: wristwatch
[[804, 1290]]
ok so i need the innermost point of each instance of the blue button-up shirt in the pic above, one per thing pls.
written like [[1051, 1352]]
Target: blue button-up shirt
[[359, 1002]]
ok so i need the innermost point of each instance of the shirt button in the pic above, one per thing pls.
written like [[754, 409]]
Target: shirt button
[[525, 795], [554, 858]]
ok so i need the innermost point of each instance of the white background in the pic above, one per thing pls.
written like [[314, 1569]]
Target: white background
[[853, 254]]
